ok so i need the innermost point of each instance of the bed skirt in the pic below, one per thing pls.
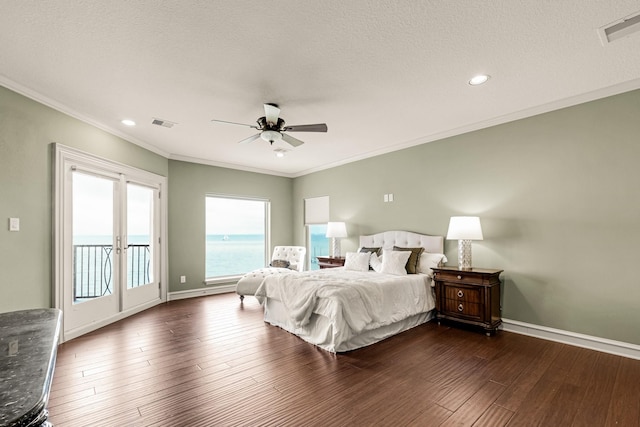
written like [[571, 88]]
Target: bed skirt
[[322, 332]]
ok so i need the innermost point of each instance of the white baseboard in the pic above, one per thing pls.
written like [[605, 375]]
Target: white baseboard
[[192, 293], [619, 348]]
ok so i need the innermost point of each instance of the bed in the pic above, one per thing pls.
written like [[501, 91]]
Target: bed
[[345, 308]]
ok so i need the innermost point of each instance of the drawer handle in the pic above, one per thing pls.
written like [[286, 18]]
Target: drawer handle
[[459, 277], [460, 294], [460, 307]]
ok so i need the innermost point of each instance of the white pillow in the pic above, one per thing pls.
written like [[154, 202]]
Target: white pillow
[[375, 263], [357, 261], [428, 261], [393, 262]]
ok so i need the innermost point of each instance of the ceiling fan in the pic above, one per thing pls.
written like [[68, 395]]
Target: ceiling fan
[[272, 127]]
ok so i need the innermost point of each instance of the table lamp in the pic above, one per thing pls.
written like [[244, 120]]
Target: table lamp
[[464, 229], [336, 230]]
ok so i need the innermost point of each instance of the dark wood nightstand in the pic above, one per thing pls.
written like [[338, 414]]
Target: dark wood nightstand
[[469, 296], [330, 262]]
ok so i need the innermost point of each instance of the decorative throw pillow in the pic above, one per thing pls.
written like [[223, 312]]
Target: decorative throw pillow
[[357, 261], [393, 262], [375, 263], [429, 261], [412, 263], [377, 251], [280, 263]]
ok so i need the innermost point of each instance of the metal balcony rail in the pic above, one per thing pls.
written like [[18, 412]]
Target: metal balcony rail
[[93, 269]]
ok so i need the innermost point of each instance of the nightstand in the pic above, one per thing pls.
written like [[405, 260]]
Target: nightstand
[[469, 296], [330, 261]]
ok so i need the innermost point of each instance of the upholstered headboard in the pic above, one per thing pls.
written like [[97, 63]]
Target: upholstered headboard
[[404, 239]]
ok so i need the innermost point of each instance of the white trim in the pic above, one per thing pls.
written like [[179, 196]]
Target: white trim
[[63, 155], [604, 345], [222, 279], [194, 293], [51, 103]]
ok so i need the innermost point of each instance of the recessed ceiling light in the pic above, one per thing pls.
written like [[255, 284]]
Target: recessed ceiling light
[[128, 122], [479, 79], [280, 152]]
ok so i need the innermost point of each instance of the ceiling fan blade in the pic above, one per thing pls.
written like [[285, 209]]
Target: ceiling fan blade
[[251, 138], [320, 127], [291, 140], [234, 123], [271, 113]]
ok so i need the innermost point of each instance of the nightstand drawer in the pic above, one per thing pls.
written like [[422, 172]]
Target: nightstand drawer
[[462, 294], [459, 308], [466, 277]]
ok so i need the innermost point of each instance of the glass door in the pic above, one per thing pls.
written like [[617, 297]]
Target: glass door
[[108, 258], [94, 243], [140, 274]]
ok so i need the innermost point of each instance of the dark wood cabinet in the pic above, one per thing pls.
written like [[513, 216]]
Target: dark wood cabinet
[[330, 262], [469, 296]]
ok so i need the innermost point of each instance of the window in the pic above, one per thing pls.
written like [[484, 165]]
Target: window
[[316, 216], [236, 235], [318, 244]]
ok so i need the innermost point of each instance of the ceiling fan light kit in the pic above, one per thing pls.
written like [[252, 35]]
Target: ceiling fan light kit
[[272, 127], [271, 136]]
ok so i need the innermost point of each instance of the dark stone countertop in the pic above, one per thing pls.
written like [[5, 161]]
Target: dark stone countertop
[[28, 347]]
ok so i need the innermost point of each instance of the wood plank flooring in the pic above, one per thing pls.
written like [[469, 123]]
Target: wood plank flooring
[[212, 361]]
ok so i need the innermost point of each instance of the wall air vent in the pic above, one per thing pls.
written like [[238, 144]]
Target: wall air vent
[[621, 28], [163, 123]]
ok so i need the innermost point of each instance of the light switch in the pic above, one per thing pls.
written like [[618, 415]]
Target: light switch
[[14, 224], [391, 197], [386, 198]]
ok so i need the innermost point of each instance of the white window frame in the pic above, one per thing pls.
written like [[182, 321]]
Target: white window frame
[[267, 236], [316, 212]]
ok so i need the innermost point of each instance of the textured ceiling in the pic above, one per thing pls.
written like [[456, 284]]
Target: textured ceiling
[[383, 74]]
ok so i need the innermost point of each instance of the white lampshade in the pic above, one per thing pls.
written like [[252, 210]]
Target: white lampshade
[[464, 228], [336, 229]]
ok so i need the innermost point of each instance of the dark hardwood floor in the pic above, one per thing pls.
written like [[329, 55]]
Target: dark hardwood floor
[[211, 361]]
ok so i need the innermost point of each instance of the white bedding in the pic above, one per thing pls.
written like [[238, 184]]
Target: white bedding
[[339, 310]]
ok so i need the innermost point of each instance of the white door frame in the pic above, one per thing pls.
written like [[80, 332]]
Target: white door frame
[[63, 158]]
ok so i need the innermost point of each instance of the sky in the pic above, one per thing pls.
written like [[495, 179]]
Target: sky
[[93, 207], [234, 216], [93, 210]]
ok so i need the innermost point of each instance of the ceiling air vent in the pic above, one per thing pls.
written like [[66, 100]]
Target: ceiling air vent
[[621, 28], [163, 123]]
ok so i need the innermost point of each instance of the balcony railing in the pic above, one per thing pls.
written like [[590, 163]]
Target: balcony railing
[[93, 269]]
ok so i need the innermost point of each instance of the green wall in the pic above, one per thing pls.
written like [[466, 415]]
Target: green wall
[[188, 185], [557, 195], [27, 129]]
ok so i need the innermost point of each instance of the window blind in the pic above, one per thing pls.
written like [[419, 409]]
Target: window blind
[[316, 210]]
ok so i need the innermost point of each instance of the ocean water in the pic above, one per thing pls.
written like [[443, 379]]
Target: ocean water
[[228, 255], [94, 266]]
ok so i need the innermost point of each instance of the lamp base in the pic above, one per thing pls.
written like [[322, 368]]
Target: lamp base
[[464, 254], [335, 247]]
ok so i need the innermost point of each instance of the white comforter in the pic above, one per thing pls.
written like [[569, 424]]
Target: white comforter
[[366, 300]]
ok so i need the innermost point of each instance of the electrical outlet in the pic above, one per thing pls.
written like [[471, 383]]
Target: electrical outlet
[[13, 347], [183, 279]]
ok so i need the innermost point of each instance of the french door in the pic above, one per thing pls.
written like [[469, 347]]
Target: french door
[[109, 259]]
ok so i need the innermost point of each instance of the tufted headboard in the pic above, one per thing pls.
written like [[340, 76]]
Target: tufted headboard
[[405, 239]]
